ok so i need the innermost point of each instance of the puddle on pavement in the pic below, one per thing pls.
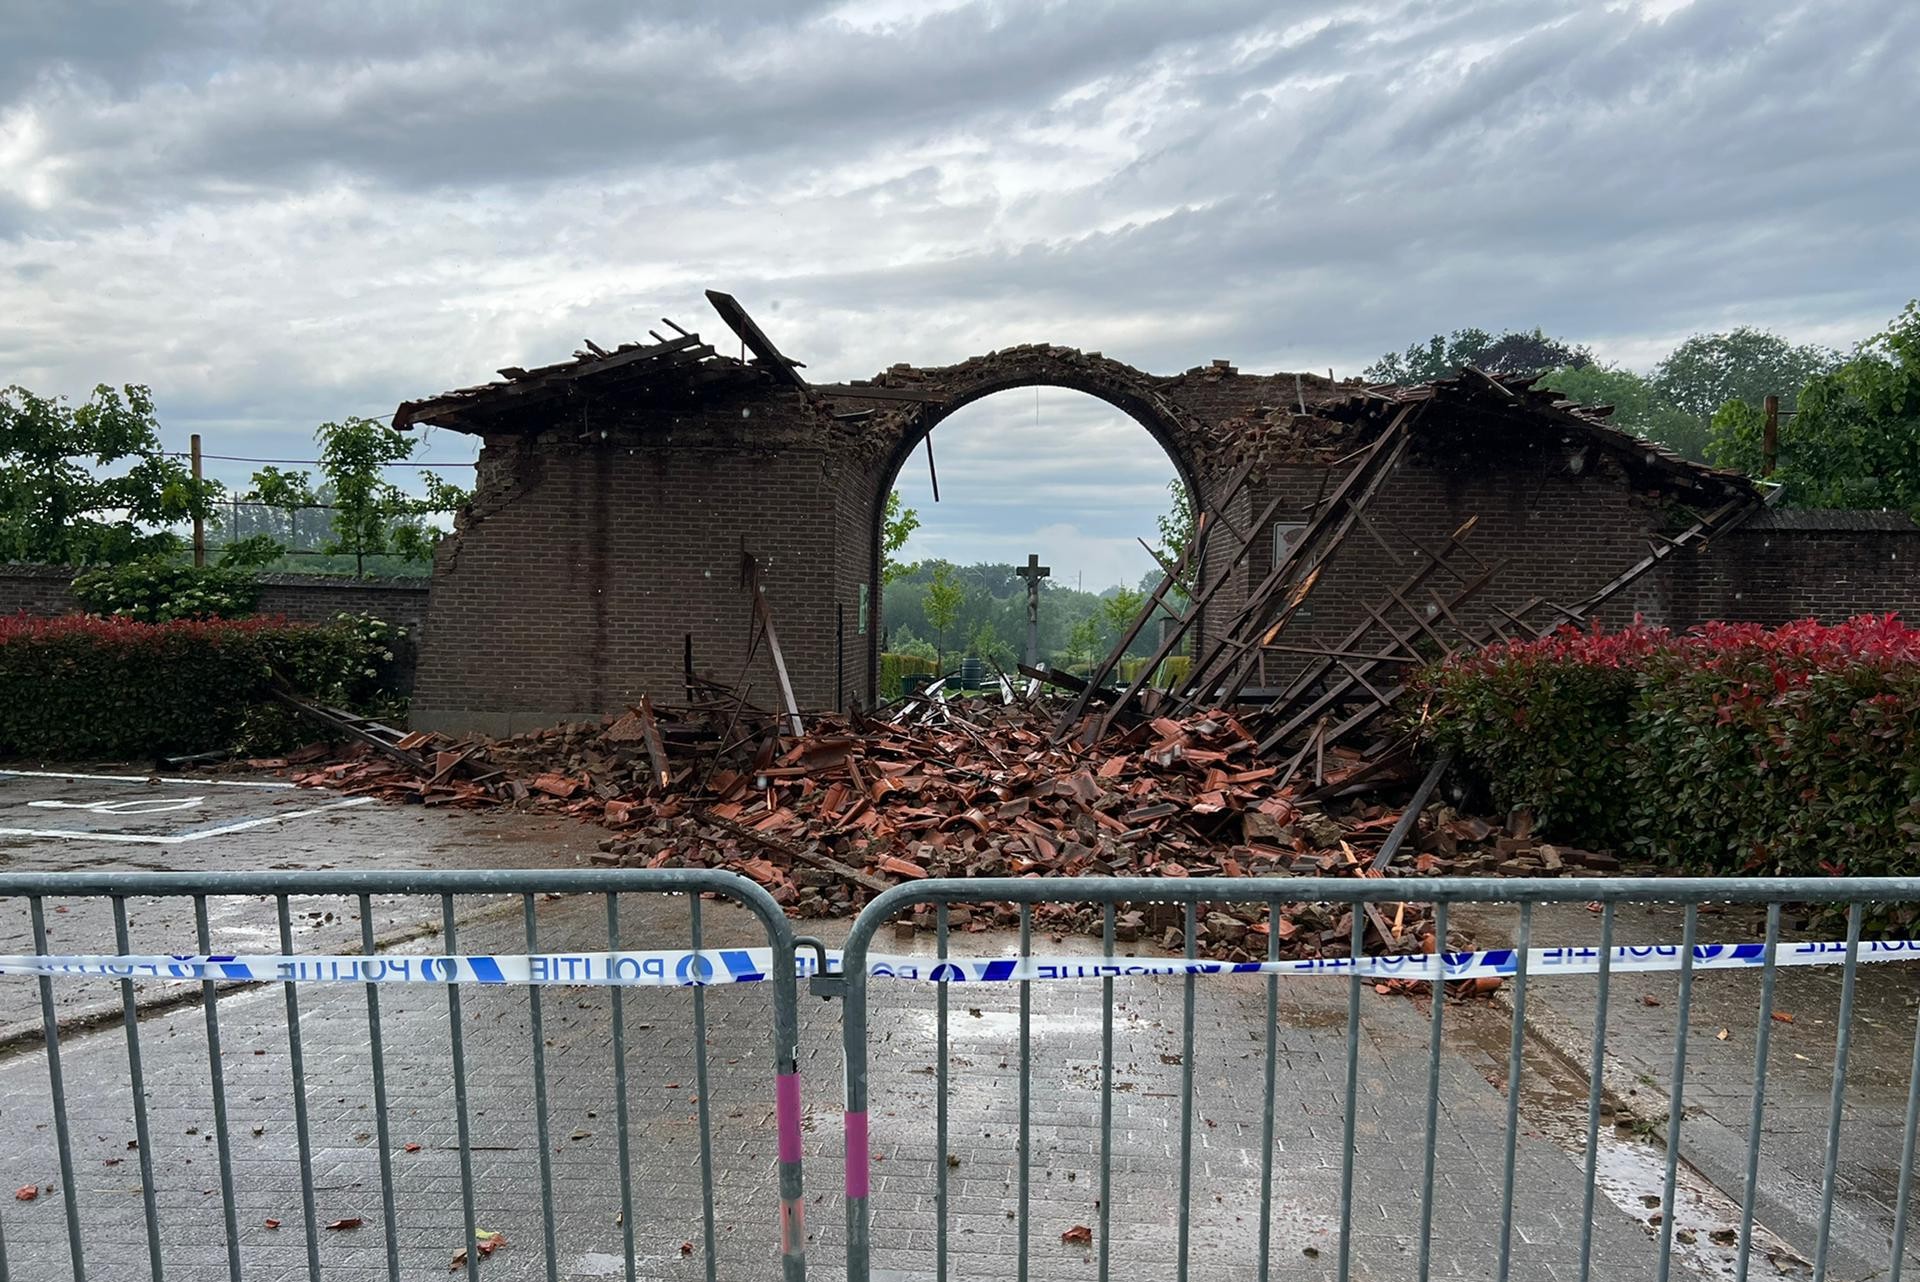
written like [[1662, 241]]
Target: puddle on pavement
[[1630, 1172]]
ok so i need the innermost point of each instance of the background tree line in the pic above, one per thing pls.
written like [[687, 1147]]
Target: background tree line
[[91, 485], [1849, 432]]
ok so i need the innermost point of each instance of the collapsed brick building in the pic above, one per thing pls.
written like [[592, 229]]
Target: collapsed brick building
[[1347, 528]]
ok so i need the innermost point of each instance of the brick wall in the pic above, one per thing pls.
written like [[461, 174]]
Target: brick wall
[[586, 560], [304, 598], [1800, 564], [592, 550]]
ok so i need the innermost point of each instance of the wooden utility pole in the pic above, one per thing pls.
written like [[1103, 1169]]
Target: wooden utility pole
[[1770, 437], [199, 521]]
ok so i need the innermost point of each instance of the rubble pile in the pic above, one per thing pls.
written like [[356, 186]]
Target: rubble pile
[[830, 818]]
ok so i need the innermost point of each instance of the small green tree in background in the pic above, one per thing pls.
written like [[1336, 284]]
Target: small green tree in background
[[1117, 612], [1083, 641], [1855, 441], [897, 525], [945, 595], [63, 502], [371, 515]]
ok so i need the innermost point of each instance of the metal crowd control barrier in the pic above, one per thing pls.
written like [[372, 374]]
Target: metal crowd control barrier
[[852, 984], [360, 889]]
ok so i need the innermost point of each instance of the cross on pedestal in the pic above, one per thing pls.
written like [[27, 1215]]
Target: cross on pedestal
[[1033, 572]]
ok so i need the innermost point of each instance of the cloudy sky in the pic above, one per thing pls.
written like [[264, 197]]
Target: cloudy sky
[[276, 214]]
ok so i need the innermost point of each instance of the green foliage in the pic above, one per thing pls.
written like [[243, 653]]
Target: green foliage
[[1172, 671], [895, 668], [1734, 749], [80, 686], [255, 552], [897, 525], [1177, 526], [87, 485], [943, 600], [1083, 643], [994, 595], [371, 515], [1744, 364], [1117, 611], [1442, 356], [1639, 405], [157, 591], [1855, 441], [983, 642]]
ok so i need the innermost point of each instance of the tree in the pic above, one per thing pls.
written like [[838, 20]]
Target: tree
[[1083, 641], [1855, 438], [1442, 356], [63, 502], [1638, 405], [897, 525], [371, 515], [944, 598], [1117, 612], [1744, 364], [1177, 526]]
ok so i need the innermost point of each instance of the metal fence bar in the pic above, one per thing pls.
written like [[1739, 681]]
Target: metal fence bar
[[702, 1108], [1515, 1066], [1186, 1095], [1762, 1038], [216, 1067], [617, 998], [1842, 1044], [1596, 1085], [1026, 1092], [1357, 949], [1268, 1087], [383, 1139], [57, 1088], [297, 1063], [540, 1101], [137, 1085], [449, 930], [1676, 1101], [940, 1177], [1904, 1198], [1437, 995], [1106, 1097]]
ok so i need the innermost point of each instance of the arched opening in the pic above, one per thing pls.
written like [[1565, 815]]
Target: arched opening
[[1064, 475]]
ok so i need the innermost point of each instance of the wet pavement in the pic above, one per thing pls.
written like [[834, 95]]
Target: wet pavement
[[1719, 1083], [663, 1090]]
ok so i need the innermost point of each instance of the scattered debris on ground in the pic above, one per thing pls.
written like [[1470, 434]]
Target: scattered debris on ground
[[985, 788]]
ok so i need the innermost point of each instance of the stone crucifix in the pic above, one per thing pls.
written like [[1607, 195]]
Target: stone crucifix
[[1033, 572]]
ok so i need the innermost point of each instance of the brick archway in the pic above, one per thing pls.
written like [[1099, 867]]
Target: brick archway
[[893, 434]]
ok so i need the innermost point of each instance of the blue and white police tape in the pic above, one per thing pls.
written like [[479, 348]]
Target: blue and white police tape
[[677, 968]]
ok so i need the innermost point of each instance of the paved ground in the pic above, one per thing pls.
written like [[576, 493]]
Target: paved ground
[[667, 1224], [1718, 1094]]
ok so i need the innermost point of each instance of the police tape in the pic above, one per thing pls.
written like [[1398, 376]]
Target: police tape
[[681, 968]]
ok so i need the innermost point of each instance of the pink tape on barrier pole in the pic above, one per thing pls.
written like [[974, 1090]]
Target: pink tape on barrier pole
[[857, 1155], [786, 1101]]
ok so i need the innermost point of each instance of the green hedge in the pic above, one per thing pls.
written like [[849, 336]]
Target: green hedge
[[1730, 749], [81, 686], [895, 668], [1173, 670]]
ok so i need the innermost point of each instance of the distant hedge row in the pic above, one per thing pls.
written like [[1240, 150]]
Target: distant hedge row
[[81, 686], [1732, 748]]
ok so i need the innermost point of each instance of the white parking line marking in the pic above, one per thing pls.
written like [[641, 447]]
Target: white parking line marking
[[198, 783], [176, 839]]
